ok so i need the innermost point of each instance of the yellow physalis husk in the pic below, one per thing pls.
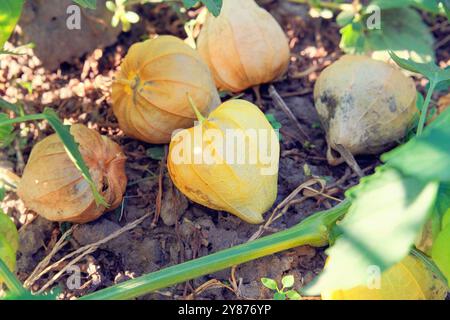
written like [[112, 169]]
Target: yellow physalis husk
[[149, 92], [365, 106], [410, 279], [54, 188], [211, 169], [244, 46]]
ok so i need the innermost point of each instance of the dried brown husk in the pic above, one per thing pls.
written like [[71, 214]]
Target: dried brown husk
[[54, 188], [365, 106]]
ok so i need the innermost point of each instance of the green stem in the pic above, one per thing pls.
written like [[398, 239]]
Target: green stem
[[424, 112], [312, 231], [10, 280], [30, 117], [194, 107], [9, 106]]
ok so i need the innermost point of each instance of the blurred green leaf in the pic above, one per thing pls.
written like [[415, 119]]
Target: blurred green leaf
[[91, 4], [5, 131], [446, 4], [404, 32], [442, 207], [429, 70], [132, 17], [273, 121], [214, 6], [431, 6], [352, 40], [10, 11], [6, 106], [190, 3], [443, 86], [276, 125], [293, 295], [446, 218], [440, 251], [269, 283], [279, 296], [9, 241], [156, 153], [288, 281], [115, 21], [26, 85], [388, 211], [401, 30], [426, 157], [345, 17], [110, 5], [389, 4], [28, 296]]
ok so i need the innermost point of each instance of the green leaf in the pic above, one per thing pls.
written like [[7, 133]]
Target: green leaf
[[132, 17], [443, 204], [389, 4], [429, 70], [288, 281], [352, 40], [427, 157], [10, 11], [2, 193], [275, 124], [441, 251], [190, 3], [115, 20], [5, 131], [11, 52], [404, 32], [388, 211], [293, 295], [8, 231], [9, 241], [214, 6], [345, 17], [420, 101], [156, 153], [269, 283], [28, 296], [73, 151], [111, 6], [446, 4], [279, 296], [5, 105], [446, 218], [90, 4], [273, 121], [431, 6], [443, 86]]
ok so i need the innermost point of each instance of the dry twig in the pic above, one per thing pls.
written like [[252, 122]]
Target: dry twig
[[83, 251], [160, 189], [279, 102]]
